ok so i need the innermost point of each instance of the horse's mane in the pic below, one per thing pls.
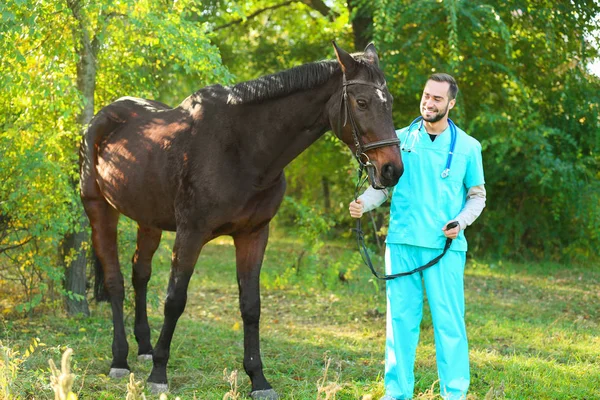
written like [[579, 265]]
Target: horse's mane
[[302, 77], [293, 80], [279, 84]]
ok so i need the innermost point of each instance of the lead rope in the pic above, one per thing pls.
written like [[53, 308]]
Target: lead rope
[[364, 252]]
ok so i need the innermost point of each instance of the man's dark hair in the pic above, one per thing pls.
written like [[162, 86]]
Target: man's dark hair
[[442, 77]]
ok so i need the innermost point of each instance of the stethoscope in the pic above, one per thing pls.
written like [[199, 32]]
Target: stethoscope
[[415, 139]]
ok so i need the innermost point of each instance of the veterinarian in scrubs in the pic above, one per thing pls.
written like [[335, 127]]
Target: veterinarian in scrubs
[[443, 181]]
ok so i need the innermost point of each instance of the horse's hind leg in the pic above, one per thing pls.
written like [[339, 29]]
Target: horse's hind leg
[[148, 240], [104, 219], [250, 250]]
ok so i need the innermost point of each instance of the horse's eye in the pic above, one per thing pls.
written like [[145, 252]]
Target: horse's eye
[[362, 104]]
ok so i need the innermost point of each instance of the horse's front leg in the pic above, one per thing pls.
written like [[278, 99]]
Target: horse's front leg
[[185, 254], [250, 250]]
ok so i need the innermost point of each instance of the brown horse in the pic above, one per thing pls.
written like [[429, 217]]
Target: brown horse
[[214, 166]]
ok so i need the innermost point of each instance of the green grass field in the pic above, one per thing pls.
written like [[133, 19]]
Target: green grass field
[[533, 331]]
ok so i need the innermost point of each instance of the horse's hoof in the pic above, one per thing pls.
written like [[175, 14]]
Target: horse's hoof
[[118, 372], [268, 394], [144, 357], [158, 388]]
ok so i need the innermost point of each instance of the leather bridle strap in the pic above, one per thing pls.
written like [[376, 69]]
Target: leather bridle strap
[[380, 143], [364, 252], [361, 148]]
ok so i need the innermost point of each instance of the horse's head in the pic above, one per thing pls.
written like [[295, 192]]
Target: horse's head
[[362, 117]]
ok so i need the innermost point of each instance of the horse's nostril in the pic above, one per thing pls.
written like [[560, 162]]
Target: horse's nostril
[[388, 171], [391, 173]]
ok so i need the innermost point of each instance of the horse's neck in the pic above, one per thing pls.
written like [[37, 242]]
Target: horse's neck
[[302, 118]]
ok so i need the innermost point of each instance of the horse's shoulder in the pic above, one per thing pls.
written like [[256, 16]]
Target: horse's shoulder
[[211, 98], [193, 107]]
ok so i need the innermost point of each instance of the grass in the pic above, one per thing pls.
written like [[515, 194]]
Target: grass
[[533, 331]]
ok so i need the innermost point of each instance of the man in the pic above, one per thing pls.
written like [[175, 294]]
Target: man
[[443, 182]]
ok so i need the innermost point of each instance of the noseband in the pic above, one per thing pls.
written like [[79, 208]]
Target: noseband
[[361, 149]]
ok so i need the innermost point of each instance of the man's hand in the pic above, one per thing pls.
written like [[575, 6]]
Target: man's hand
[[451, 233], [356, 208]]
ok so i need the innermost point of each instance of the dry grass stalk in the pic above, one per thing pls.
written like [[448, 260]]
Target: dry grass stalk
[[429, 394], [62, 381], [8, 370], [495, 393], [135, 390], [232, 379], [328, 390]]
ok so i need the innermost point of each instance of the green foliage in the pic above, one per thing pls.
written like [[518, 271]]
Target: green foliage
[[526, 95], [265, 36], [38, 102], [155, 50], [311, 227], [11, 365]]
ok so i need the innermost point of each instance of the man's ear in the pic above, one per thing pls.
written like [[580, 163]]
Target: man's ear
[[346, 61], [451, 104]]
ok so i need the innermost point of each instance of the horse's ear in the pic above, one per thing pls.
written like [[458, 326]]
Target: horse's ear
[[371, 54], [344, 59]]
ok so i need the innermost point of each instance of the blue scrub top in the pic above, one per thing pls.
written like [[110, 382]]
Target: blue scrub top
[[423, 202]]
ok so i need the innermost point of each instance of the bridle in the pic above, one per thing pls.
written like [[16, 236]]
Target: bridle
[[361, 156]]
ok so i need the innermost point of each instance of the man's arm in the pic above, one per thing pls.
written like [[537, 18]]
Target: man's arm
[[473, 207], [370, 199]]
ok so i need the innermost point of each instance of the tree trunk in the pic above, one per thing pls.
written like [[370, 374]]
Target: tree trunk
[[75, 274], [326, 195], [362, 23]]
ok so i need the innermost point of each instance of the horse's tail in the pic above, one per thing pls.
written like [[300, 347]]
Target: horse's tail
[[101, 126], [100, 292]]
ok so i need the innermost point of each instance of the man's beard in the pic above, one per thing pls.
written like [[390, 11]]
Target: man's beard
[[437, 117]]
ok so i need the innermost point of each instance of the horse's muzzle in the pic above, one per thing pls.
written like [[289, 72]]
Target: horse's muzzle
[[390, 174]]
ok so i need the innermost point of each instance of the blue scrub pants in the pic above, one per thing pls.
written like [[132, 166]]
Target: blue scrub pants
[[444, 284]]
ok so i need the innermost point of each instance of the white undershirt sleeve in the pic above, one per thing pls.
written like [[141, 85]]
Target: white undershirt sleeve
[[373, 198], [473, 207]]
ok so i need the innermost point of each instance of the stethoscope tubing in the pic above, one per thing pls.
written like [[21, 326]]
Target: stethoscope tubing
[[446, 171]]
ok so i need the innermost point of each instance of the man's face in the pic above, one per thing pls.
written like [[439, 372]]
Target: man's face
[[435, 102]]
